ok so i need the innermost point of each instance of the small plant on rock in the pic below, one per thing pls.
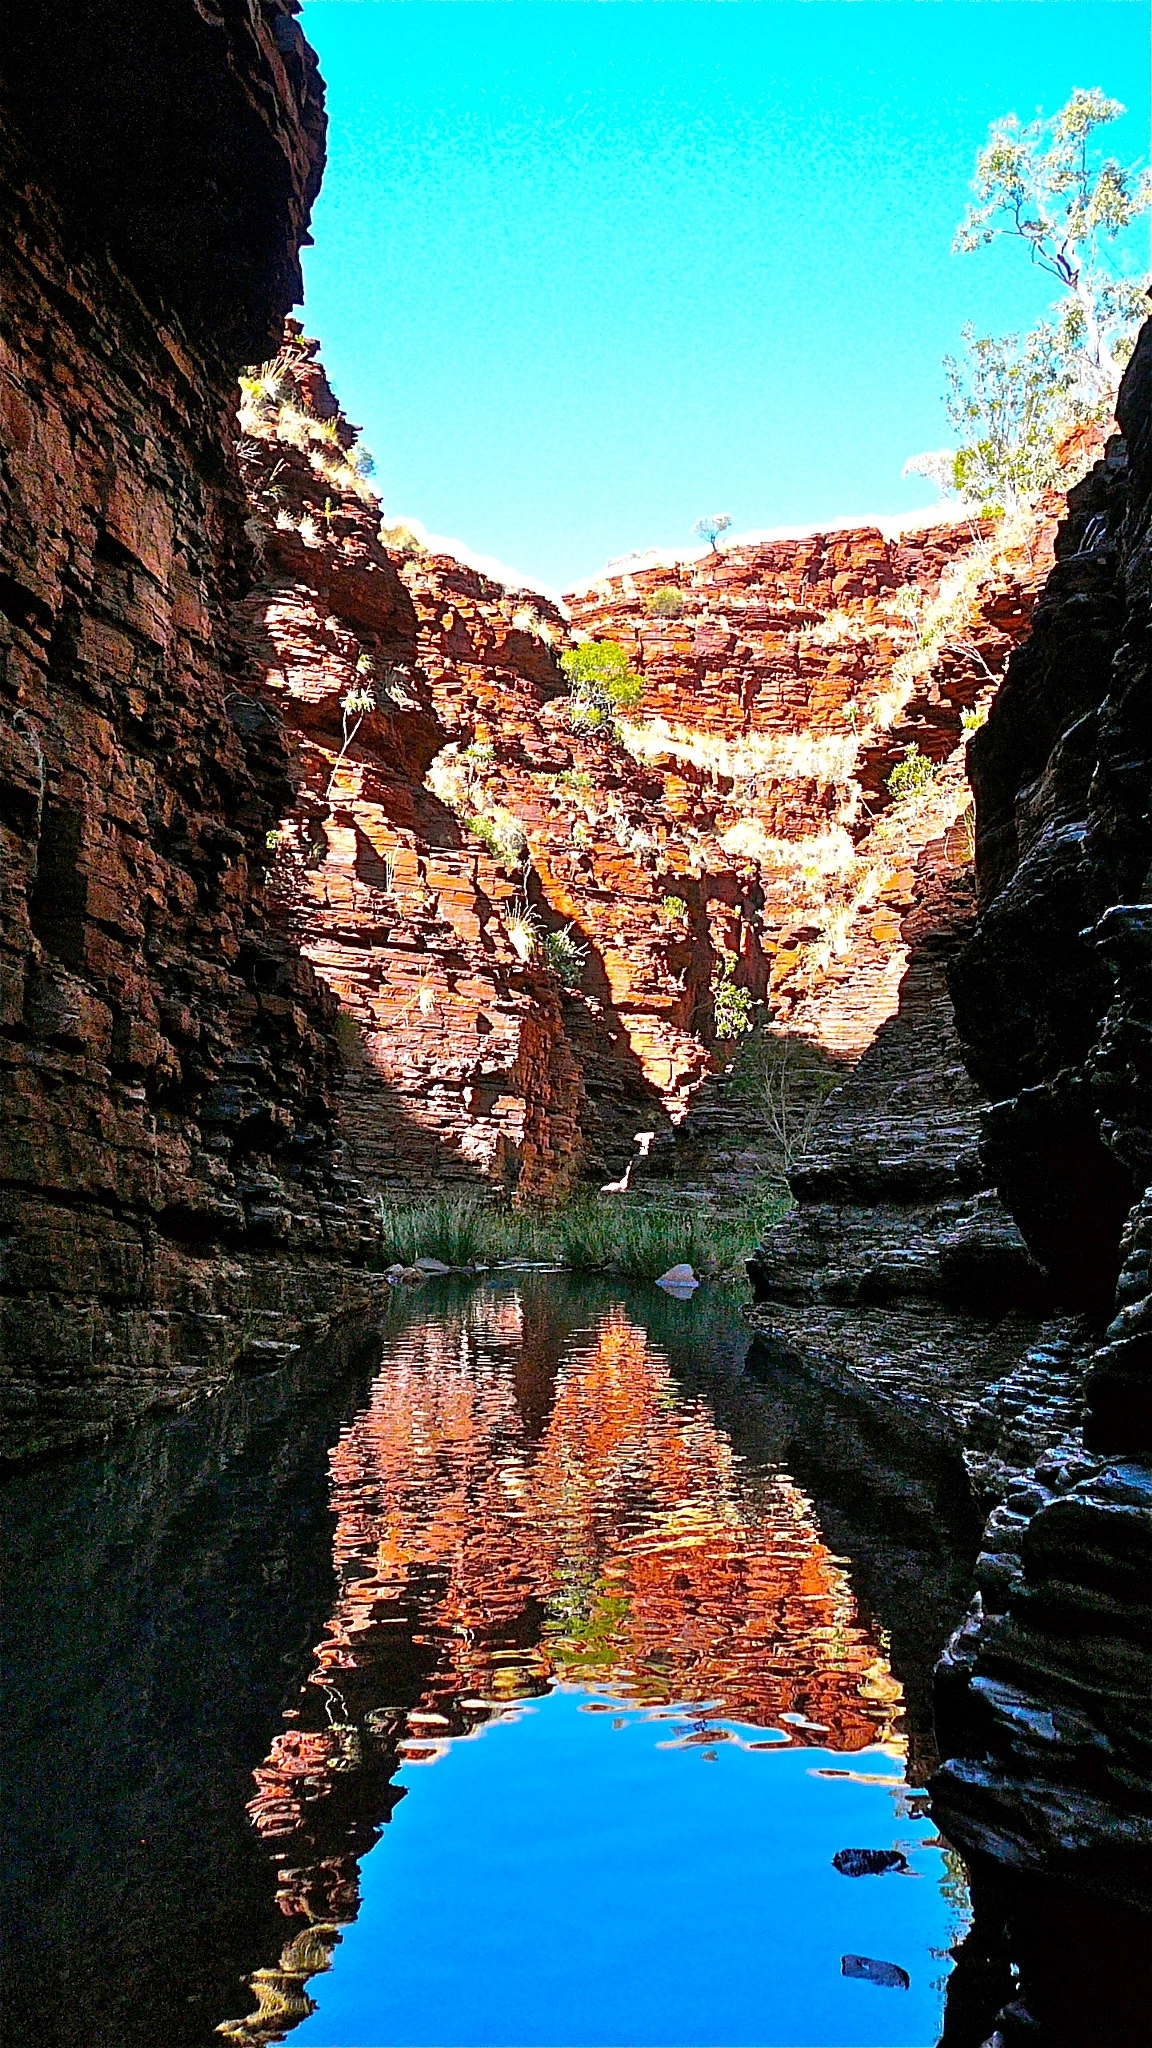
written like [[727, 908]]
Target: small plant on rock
[[503, 835], [355, 705], [733, 1008], [566, 957], [666, 603], [525, 931], [912, 776], [675, 909]]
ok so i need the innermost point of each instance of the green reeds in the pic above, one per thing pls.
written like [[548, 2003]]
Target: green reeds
[[636, 1239]]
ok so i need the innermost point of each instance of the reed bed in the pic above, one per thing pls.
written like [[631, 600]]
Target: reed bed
[[636, 1239]]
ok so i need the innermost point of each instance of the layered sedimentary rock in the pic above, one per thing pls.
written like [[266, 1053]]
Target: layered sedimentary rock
[[168, 1060], [452, 817], [784, 682], [447, 819], [1044, 1694], [961, 1254]]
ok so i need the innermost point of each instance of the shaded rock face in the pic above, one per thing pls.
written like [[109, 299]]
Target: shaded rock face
[[165, 1592], [1051, 1003], [129, 112], [168, 1058], [905, 1275], [1043, 1695]]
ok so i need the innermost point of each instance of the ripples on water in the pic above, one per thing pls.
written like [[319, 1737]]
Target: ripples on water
[[539, 1540]]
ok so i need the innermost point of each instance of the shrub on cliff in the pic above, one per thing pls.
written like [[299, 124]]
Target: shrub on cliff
[[503, 835], [733, 1009], [601, 681], [911, 776], [666, 603]]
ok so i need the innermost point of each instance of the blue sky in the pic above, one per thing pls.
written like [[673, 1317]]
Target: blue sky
[[587, 269]]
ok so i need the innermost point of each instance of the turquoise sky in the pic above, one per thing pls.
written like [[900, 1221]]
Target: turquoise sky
[[587, 269]]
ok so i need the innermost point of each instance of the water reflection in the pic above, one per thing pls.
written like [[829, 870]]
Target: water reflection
[[523, 1505]]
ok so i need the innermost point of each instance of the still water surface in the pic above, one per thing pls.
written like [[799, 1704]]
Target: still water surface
[[585, 1706]]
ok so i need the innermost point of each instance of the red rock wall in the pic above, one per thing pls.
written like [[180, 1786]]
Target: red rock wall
[[776, 706], [467, 1063], [167, 1059], [739, 815]]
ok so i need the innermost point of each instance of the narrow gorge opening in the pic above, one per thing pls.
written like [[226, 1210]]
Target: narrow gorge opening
[[575, 1301]]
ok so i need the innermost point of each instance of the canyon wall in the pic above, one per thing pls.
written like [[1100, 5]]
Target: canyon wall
[[972, 1211], [784, 682], [733, 832], [1043, 1703], [171, 1202]]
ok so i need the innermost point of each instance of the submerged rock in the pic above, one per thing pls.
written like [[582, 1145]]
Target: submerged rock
[[869, 1862], [870, 1971]]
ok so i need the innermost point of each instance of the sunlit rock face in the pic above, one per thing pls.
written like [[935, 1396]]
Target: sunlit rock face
[[784, 681], [468, 1060], [736, 824], [168, 1059], [502, 1527]]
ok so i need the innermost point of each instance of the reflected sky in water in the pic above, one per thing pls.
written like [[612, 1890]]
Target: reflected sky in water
[[614, 1695]]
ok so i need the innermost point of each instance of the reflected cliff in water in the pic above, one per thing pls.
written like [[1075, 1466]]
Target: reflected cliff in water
[[529, 1500], [233, 1640]]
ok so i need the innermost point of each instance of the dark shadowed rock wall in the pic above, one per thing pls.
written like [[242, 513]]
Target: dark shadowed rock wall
[[165, 1153], [1044, 1708]]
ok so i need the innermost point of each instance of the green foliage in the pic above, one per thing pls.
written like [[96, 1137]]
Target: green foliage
[[1012, 398], [911, 776], [565, 956], [733, 1009], [481, 754], [503, 835], [457, 1229], [666, 603], [601, 682], [574, 778], [1037, 183], [973, 717], [1010, 401], [674, 908]]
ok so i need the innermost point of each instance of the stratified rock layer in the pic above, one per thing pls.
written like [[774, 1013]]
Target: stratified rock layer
[[166, 1147], [784, 682], [1044, 1693]]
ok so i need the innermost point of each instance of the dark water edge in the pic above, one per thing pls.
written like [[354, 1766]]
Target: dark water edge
[[162, 1600]]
